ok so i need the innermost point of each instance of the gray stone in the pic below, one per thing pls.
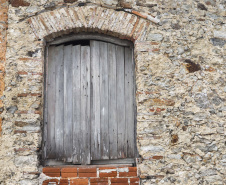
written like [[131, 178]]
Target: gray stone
[[174, 156], [218, 42], [220, 130], [152, 148], [216, 100], [202, 100], [208, 172], [28, 182], [214, 178], [32, 9], [219, 34], [212, 148], [12, 109], [25, 160], [155, 36], [180, 50]]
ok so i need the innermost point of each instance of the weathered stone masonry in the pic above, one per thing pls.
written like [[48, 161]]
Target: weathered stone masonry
[[3, 28], [180, 79]]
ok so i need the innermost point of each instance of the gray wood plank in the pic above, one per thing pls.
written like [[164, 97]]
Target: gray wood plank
[[113, 130], [45, 116], [59, 111], [76, 63], [51, 104], [95, 100], [68, 103], [130, 101], [104, 137], [85, 104], [122, 143]]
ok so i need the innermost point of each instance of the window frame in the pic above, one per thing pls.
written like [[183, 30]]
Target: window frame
[[77, 37]]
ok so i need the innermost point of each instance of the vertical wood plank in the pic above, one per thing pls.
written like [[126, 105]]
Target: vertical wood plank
[[76, 63], [113, 130], [45, 117], [51, 104], [59, 111], [68, 103], [130, 101], [85, 104], [122, 143], [95, 100], [104, 135]]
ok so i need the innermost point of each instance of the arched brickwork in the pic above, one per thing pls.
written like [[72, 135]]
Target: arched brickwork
[[120, 24]]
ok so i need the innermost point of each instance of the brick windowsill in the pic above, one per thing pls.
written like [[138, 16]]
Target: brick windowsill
[[91, 175]]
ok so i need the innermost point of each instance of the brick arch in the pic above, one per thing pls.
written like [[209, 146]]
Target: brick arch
[[49, 25]]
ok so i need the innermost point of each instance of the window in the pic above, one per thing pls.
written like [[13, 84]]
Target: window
[[89, 101]]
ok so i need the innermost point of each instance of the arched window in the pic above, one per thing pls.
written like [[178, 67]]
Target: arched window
[[89, 101]]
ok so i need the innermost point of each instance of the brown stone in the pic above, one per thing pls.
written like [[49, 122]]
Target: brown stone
[[174, 138], [70, 1], [17, 3]]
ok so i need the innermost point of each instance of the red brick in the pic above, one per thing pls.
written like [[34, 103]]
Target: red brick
[[134, 27], [22, 112], [139, 14], [87, 174], [110, 174], [23, 94], [20, 132], [68, 175], [36, 94], [98, 181], [63, 181], [79, 182], [132, 169], [134, 180], [155, 50], [119, 180], [127, 174], [87, 170], [22, 73], [95, 180], [69, 170], [157, 157], [46, 182], [51, 171]]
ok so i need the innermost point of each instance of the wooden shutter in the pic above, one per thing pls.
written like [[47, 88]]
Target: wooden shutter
[[90, 103]]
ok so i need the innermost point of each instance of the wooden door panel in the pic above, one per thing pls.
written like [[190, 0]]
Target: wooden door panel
[[90, 103]]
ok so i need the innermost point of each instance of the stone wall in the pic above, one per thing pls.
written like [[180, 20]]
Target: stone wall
[[180, 79], [3, 28]]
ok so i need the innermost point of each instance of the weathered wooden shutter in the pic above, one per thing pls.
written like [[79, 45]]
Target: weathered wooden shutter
[[90, 103]]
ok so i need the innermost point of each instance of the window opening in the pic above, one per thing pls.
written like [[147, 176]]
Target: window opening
[[89, 103]]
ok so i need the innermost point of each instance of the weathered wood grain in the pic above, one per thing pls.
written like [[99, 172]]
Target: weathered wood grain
[[113, 129], [120, 99], [76, 66], [104, 122], [68, 103], [95, 100], [59, 111]]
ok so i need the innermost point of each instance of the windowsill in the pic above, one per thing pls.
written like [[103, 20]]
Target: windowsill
[[99, 163]]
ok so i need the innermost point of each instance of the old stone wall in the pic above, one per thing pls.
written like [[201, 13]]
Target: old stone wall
[[180, 79]]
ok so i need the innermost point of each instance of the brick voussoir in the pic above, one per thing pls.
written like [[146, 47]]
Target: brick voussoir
[[93, 19]]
